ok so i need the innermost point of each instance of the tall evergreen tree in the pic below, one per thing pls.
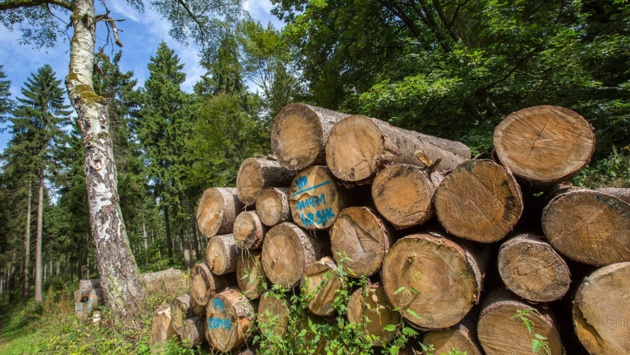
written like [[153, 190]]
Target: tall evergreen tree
[[5, 95]]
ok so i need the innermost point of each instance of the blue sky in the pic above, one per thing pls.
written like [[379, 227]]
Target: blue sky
[[141, 33]]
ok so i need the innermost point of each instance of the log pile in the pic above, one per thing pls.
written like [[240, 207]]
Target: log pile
[[482, 255]]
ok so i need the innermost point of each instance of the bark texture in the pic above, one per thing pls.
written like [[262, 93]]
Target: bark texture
[[217, 210], [256, 174]]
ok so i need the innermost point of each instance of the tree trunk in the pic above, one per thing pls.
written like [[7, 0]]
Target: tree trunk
[[204, 284], [419, 273], [217, 210], [230, 318], [122, 284], [181, 309], [187, 248], [601, 310], [461, 337], [161, 328], [370, 308], [169, 238], [589, 226], [27, 244], [479, 201], [193, 227], [359, 241], [530, 268], [249, 230], [360, 146], [273, 315], [508, 326], [544, 144], [250, 274], [287, 250], [38, 244], [403, 194], [316, 199], [222, 254], [193, 331], [256, 174], [320, 284], [299, 134], [272, 206], [144, 236]]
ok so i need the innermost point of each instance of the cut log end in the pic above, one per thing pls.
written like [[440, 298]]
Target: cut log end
[[230, 318], [161, 328], [255, 174], [371, 309], [272, 206], [273, 315], [204, 284], [216, 211], [320, 284], [222, 254], [250, 274], [249, 230]]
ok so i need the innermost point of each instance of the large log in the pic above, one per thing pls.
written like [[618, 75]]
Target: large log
[[461, 338], [370, 308], [432, 280], [601, 310], [316, 199], [222, 254], [250, 274], [273, 315], [181, 309], [230, 318], [287, 250], [320, 284], [299, 134], [193, 331], [256, 174], [249, 230], [532, 269], [272, 206], [204, 284], [161, 328], [360, 146], [359, 241], [479, 201], [509, 326], [403, 194], [589, 226], [217, 209], [544, 144]]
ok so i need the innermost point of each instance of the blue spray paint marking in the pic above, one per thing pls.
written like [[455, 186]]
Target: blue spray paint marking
[[313, 201], [310, 188], [90, 305], [301, 182], [218, 304], [320, 217], [215, 323]]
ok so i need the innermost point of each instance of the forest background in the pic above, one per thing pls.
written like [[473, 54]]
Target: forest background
[[450, 68]]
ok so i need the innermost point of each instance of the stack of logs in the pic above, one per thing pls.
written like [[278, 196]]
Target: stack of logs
[[482, 255], [88, 297]]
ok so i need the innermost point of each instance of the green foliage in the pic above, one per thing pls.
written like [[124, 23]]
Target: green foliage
[[610, 171], [5, 96], [540, 345]]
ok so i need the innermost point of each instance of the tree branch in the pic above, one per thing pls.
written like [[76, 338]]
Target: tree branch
[[202, 32], [16, 4]]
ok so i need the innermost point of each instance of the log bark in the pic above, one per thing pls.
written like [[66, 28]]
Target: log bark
[[299, 134], [250, 274], [589, 226], [320, 284], [479, 201], [316, 199], [544, 144], [222, 254], [273, 315], [360, 146], [287, 250], [532, 269], [255, 174], [370, 308], [359, 241], [433, 280], [461, 337], [230, 317], [403, 194], [181, 309], [204, 284], [249, 230], [193, 331], [217, 209], [503, 326], [272, 206], [601, 310], [161, 328]]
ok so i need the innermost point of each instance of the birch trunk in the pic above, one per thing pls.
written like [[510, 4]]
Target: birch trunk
[[116, 265]]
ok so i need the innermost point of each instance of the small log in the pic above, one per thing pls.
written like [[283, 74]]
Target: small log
[[204, 284], [299, 134], [360, 146], [589, 226], [85, 286], [217, 209], [198, 310], [461, 337], [181, 309], [250, 274], [249, 230], [222, 254], [433, 280], [370, 308], [601, 310], [359, 241], [508, 326], [315, 198], [257, 173], [287, 250], [479, 201], [403, 194], [273, 315], [230, 317], [320, 284], [161, 328], [193, 331], [544, 144], [272, 206], [532, 269]]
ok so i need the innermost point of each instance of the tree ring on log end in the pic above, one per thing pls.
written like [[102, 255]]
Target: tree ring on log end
[[229, 319], [296, 136]]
